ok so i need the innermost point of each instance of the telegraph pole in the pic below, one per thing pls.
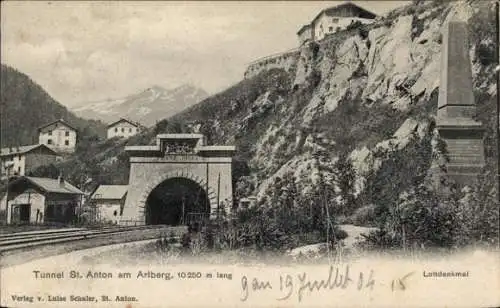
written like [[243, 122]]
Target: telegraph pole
[[497, 71], [8, 165], [218, 194]]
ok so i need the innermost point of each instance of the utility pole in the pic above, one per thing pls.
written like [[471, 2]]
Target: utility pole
[[8, 165], [183, 209], [218, 195], [497, 71], [206, 191]]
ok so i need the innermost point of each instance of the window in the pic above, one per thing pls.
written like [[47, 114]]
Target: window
[[335, 20], [115, 213], [50, 133], [116, 129], [330, 29], [67, 133], [19, 157], [123, 129], [130, 130], [66, 142], [19, 170], [49, 141]]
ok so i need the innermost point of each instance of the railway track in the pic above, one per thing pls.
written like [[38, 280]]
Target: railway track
[[23, 240]]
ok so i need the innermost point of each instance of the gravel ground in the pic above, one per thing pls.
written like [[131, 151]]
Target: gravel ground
[[22, 256], [9, 229]]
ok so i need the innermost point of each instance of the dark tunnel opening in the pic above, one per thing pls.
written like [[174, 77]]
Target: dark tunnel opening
[[177, 201]]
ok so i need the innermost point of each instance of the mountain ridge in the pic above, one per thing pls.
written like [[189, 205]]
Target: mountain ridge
[[25, 106], [347, 98], [147, 106]]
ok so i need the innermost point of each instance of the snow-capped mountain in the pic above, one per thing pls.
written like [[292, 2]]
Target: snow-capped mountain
[[146, 107]]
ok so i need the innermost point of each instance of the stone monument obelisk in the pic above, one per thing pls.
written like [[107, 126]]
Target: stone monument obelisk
[[462, 134]]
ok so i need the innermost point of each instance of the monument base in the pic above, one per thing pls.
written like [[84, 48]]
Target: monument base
[[464, 151], [455, 175]]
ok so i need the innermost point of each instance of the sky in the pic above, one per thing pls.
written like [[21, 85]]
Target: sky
[[87, 51]]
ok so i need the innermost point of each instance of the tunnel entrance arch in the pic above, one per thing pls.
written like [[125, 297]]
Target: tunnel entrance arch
[[177, 201], [202, 174]]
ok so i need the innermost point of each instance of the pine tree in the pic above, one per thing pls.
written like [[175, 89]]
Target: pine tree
[[345, 177]]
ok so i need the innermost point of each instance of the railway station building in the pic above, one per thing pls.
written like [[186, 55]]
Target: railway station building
[[34, 200]]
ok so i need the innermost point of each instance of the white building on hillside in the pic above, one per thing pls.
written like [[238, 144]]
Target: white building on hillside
[[123, 128], [334, 19], [20, 160], [58, 135]]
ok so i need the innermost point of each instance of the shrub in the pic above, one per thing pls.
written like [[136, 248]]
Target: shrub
[[417, 27], [172, 237], [364, 216], [363, 33], [354, 25], [314, 47], [486, 53], [378, 239], [410, 10], [165, 243], [428, 219], [314, 78]]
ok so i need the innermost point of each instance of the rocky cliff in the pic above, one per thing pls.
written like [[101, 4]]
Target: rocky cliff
[[369, 93]]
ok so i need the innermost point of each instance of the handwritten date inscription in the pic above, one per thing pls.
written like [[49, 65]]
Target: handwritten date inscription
[[301, 284]]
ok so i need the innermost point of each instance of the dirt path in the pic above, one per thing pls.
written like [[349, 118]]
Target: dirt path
[[354, 233]]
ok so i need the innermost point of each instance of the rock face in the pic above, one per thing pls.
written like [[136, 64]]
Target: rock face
[[369, 92]]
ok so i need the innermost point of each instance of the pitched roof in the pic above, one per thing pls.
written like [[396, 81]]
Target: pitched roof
[[303, 28], [136, 124], [334, 9], [57, 121], [23, 149], [50, 185], [110, 192]]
